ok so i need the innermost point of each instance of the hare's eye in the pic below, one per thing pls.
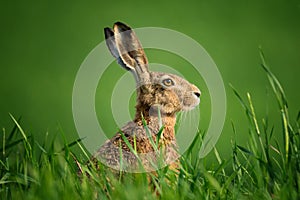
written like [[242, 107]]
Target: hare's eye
[[168, 82]]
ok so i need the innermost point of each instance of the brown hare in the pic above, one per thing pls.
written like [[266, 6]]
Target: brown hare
[[150, 138]]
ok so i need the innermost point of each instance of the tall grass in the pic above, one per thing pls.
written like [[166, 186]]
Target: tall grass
[[263, 169]]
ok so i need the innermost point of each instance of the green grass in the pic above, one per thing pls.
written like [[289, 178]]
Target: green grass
[[266, 168]]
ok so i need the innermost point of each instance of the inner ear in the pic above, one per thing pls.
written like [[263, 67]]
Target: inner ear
[[111, 44], [129, 46], [131, 52]]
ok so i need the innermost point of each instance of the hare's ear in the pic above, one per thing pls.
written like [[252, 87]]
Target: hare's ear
[[111, 44], [126, 47]]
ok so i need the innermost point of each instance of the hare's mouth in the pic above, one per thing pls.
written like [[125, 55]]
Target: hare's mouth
[[190, 106], [190, 102]]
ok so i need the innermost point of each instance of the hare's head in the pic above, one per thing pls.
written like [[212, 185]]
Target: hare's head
[[168, 91]]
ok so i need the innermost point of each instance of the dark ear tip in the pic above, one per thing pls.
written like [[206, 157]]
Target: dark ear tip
[[121, 26], [108, 32]]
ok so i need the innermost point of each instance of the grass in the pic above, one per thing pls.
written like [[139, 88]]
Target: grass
[[265, 168]]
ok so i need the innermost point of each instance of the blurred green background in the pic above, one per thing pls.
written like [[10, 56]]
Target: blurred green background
[[43, 44]]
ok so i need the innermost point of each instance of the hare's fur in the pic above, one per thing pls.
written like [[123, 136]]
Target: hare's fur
[[157, 105]]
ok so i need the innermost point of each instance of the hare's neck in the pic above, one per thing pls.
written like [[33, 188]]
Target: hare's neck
[[152, 119], [167, 120]]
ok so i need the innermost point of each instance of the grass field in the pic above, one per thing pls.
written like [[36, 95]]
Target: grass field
[[266, 168]]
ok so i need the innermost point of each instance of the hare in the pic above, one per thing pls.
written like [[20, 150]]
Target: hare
[[159, 97]]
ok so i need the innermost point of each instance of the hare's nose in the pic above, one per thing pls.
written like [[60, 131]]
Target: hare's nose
[[196, 91], [197, 94]]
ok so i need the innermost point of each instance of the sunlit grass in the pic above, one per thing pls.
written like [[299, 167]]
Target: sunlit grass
[[263, 169]]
